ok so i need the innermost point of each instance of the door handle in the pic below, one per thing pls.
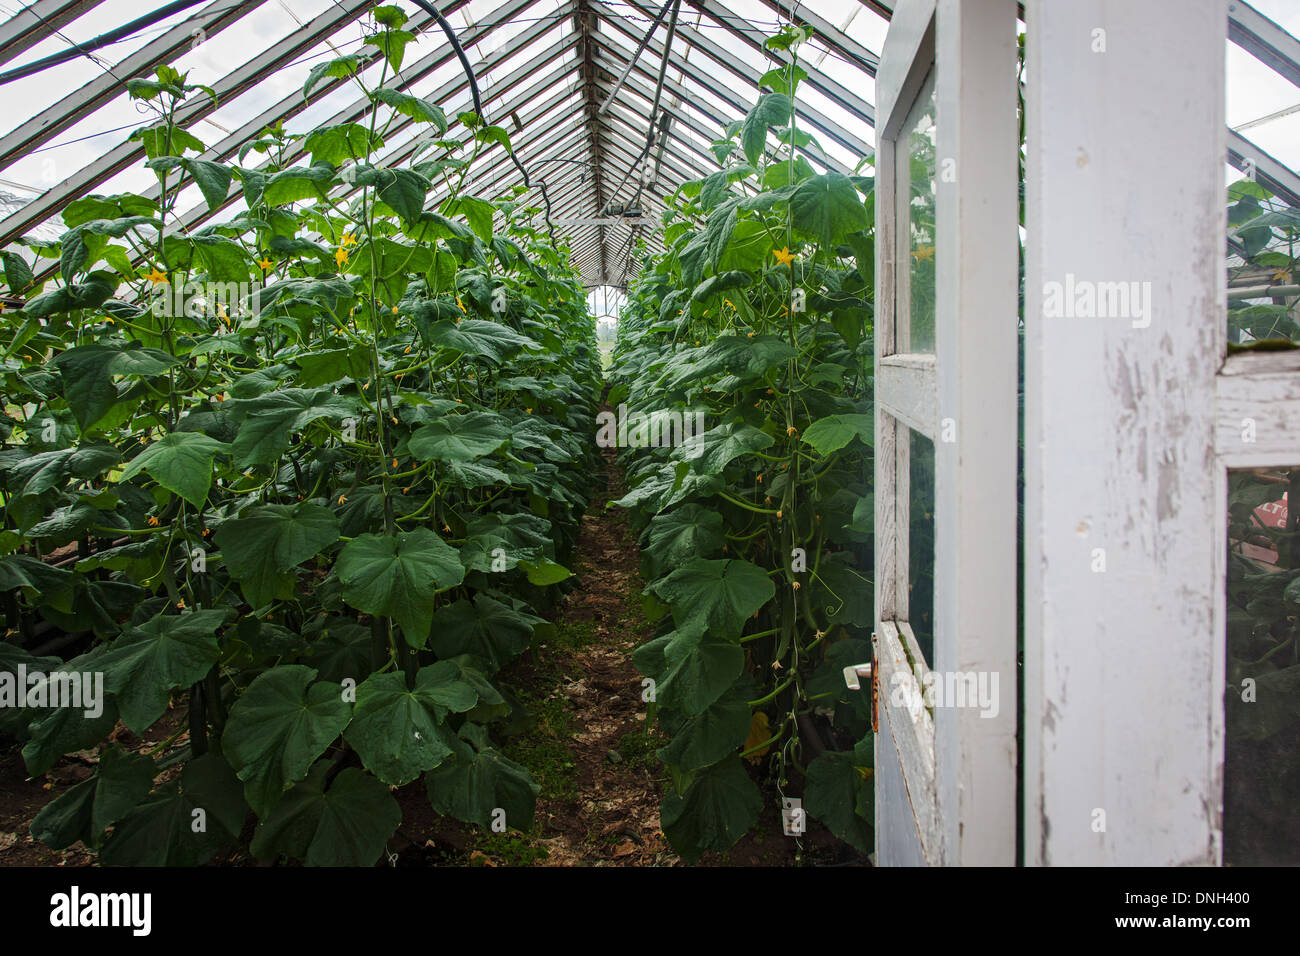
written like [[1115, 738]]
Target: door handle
[[854, 674]]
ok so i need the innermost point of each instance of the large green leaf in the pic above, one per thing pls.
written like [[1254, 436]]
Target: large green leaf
[[83, 812], [772, 109], [460, 437], [40, 583], [39, 473], [185, 823], [263, 546], [487, 629], [828, 208], [337, 144], [55, 731], [277, 729], [667, 487], [181, 462], [720, 805], [397, 576], [472, 786], [420, 110], [344, 825], [87, 372], [146, 663], [697, 669], [490, 340], [720, 594], [339, 68], [740, 355], [494, 539], [712, 451], [269, 421], [840, 785], [399, 731], [688, 531], [835, 431], [705, 739]]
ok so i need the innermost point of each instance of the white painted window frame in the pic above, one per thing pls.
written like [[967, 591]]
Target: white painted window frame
[[946, 782], [1130, 433]]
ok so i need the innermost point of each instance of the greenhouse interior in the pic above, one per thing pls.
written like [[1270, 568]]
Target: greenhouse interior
[[747, 433]]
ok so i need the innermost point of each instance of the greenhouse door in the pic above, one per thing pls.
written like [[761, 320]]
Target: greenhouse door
[[945, 456]]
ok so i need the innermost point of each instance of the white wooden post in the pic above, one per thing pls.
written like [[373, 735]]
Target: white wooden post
[[946, 790], [1124, 498], [975, 442]]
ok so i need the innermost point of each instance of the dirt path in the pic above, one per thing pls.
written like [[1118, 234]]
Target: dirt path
[[600, 789]]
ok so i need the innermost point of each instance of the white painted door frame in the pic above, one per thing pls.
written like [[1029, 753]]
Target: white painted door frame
[[946, 775], [1131, 422]]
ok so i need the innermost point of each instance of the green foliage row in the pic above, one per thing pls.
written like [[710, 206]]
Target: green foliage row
[[314, 470], [756, 534]]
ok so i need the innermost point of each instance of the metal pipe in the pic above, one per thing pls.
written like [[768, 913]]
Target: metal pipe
[[645, 40], [654, 112], [1259, 291]]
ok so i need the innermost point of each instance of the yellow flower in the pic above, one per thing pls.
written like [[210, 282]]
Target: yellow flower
[[394, 462], [157, 277], [266, 264], [406, 351], [1280, 274], [153, 522], [394, 310], [923, 253], [180, 605], [792, 431], [349, 239], [460, 304], [795, 585], [340, 256], [528, 411], [750, 335], [109, 320], [342, 498], [783, 255], [778, 514], [729, 302], [760, 477]]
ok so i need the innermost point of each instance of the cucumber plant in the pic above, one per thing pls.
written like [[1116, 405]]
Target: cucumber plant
[[309, 474], [756, 533]]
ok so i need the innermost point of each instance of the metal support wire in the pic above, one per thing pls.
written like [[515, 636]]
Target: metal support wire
[[103, 40], [478, 103]]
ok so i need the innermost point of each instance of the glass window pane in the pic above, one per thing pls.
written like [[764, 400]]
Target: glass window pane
[[920, 235], [1261, 788], [920, 542]]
